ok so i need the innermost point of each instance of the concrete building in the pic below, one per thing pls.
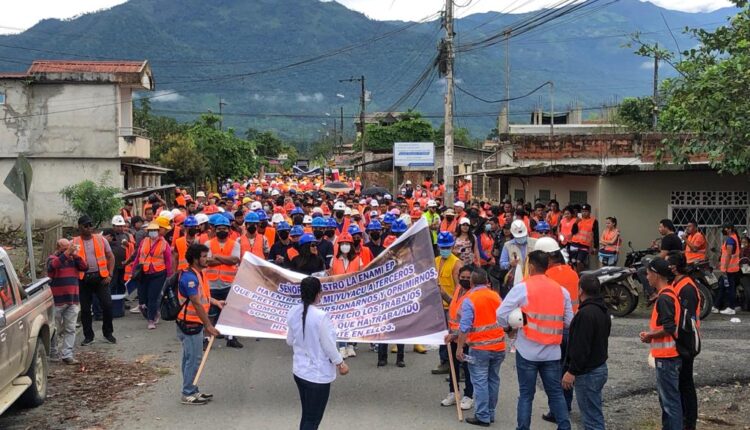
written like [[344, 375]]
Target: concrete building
[[73, 120], [617, 174]]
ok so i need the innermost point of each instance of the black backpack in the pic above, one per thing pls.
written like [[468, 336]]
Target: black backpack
[[170, 299]]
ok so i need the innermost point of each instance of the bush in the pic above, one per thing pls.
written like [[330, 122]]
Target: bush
[[98, 201]]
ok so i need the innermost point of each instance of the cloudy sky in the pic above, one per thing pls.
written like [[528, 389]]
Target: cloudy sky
[[26, 13]]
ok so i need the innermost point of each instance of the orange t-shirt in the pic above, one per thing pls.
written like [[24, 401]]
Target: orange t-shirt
[[568, 278]]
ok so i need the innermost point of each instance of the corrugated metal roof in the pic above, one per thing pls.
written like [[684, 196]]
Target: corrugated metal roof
[[56, 66]]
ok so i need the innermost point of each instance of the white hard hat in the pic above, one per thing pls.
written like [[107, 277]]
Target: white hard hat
[[118, 220], [388, 197], [374, 203], [395, 211], [459, 204], [348, 211], [200, 194], [166, 214], [363, 202], [515, 318], [408, 182], [317, 210], [467, 177], [176, 211], [546, 244], [339, 206], [277, 218], [254, 206], [275, 192], [201, 218], [307, 219], [518, 229], [431, 203], [463, 221]]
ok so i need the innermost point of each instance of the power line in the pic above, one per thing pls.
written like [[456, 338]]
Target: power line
[[502, 100]]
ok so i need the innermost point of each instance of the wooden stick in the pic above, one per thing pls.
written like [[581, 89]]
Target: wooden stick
[[203, 360], [455, 384]]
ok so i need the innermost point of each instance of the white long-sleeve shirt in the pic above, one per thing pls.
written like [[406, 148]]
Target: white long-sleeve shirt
[[315, 353]]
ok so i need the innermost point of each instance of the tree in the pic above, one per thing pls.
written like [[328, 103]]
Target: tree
[[97, 200], [224, 154], [706, 107], [185, 160], [411, 128], [158, 128], [636, 113], [461, 137]]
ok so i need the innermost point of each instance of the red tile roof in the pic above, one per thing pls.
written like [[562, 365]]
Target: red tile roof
[[54, 66], [11, 75]]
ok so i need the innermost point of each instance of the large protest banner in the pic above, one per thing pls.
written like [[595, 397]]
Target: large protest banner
[[395, 299]]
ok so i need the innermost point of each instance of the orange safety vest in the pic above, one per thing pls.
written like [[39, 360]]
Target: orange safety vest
[[682, 283], [129, 251], [101, 257], [585, 235], [389, 240], [291, 253], [270, 234], [204, 293], [450, 227], [153, 259], [337, 267], [566, 229], [665, 346], [698, 240], [485, 334], [609, 236], [454, 310], [553, 219], [181, 246], [256, 248], [730, 263], [487, 244], [225, 272], [564, 275], [176, 234], [545, 310], [365, 254]]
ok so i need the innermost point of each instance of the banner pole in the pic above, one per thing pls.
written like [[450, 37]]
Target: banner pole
[[203, 360], [455, 384]]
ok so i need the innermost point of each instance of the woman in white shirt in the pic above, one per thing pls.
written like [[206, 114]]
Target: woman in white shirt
[[313, 339]]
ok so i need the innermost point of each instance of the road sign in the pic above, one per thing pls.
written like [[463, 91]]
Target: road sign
[[414, 154], [18, 180]]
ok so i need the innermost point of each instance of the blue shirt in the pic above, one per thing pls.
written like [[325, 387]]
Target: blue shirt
[[189, 284], [529, 349], [467, 312], [505, 258]]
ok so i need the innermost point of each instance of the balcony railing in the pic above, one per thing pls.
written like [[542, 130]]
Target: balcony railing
[[132, 132]]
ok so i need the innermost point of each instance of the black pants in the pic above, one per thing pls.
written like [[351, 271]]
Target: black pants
[[461, 366], [383, 352], [314, 398], [92, 285], [687, 394]]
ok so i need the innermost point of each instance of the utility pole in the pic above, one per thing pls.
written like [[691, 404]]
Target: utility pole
[[341, 138], [552, 108], [221, 114], [656, 87], [448, 149], [507, 81], [362, 99]]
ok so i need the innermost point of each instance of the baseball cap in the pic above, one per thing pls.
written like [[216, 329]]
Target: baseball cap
[[661, 267]]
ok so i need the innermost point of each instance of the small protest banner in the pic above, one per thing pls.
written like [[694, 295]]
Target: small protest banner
[[395, 299]]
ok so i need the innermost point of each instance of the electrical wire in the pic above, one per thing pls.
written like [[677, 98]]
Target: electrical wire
[[501, 100]]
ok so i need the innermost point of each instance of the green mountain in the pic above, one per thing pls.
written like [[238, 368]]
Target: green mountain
[[277, 64]]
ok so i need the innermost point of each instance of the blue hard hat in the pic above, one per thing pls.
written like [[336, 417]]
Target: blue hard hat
[[354, 229], [542, 226], [252, 217], [332, 223], [218, 220], [283, 225], [319, 222], [389, 218], [445, 239], [297, 211], [374, 225], [297, 230], [261, 215], [190, 222], [399, 226], [258, 191], [228, 215], [307, 238]]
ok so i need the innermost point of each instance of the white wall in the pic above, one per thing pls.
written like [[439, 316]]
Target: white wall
[[559, 187]]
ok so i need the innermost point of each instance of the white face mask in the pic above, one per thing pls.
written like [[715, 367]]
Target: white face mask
[[345, 248], [153, 234]]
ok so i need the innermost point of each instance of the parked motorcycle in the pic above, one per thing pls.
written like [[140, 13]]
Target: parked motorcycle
[[743, 289], [707, 283]]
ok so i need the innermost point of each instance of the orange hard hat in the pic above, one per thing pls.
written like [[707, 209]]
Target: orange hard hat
[[345, 237]]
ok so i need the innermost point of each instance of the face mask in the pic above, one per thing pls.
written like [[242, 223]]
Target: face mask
[[445, 253], [487, 227], [339, 214], [222, 235], [465, 283], [284, 235], [153, 234], [252, 229], [330, 233], [318, 234], [192, 231], [345, 248], [267, 208], [521, 240], [375, 235]]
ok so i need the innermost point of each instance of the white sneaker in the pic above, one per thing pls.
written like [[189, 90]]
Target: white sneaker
[[467, 403], [714, 310], [728, 311], [450, 400], [135, 309], [350, 352], [343, 353]]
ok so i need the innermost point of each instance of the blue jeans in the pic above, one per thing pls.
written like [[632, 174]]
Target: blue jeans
[[192, 352], [668, 385], [588, 389], [149, 292], [608, 259], [485, 377], [549, 371]]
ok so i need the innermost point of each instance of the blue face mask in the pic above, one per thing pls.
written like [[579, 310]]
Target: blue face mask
[[521, 240], [487, 227], [445, 253]]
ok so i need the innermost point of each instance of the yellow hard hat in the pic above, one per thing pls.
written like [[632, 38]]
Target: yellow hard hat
[[246, 200], [163, 223]]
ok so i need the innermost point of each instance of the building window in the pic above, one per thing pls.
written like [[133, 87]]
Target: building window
[[519, 195], [544, 196], [578, 197], [2, 97]]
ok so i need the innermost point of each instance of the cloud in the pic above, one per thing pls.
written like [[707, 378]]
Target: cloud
[[261, 98], [307, 98], [166, 96]]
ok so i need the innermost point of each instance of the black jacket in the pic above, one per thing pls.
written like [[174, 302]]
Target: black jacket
[[588, 341]]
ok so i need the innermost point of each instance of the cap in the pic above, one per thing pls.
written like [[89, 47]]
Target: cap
[[518, 229], [118, 220], [449, 212], [661, 267], [459, 204], [463, 221], [586, 207], [85, 219]]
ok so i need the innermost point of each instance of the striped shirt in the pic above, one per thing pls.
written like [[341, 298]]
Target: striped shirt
[[63, 271]]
